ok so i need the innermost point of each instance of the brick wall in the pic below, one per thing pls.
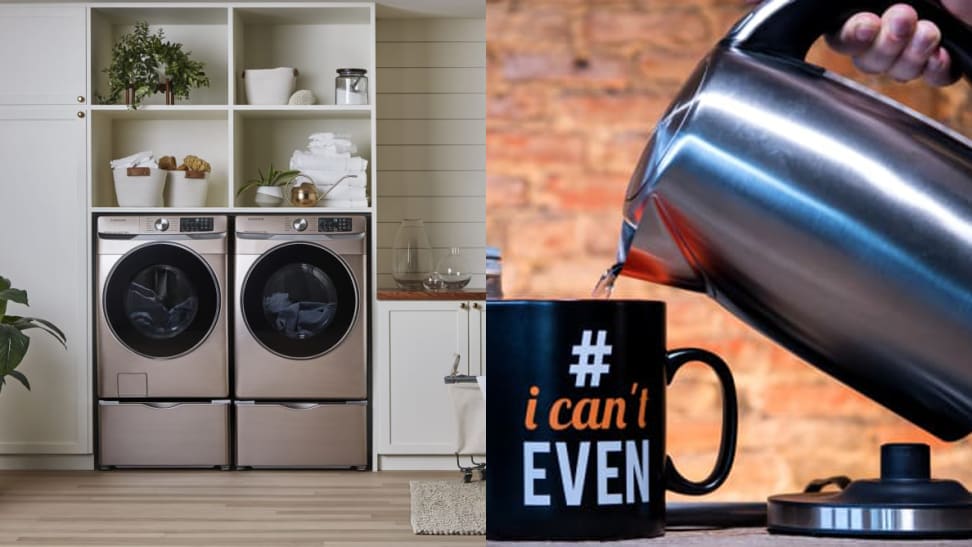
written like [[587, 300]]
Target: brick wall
[[574, 89]]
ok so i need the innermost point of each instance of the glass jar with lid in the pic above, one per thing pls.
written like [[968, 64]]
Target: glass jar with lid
[[351, 86]]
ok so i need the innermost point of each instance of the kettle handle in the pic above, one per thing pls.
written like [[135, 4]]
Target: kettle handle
[[789, 27]]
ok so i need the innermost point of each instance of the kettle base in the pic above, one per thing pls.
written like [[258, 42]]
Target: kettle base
[[905, 503]]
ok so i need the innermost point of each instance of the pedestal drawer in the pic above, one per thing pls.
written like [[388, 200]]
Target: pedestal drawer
[[301, 435], [164, 434]]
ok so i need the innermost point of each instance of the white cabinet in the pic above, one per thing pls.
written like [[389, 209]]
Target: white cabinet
[[43, 249], [418, 342], [43, 60]]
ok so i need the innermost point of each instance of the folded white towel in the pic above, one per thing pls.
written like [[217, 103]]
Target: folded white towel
[[329, 152], [139, 159], [344, 203], [332, 148], [355, 179], [325, 136], [340, 191], [305, 161]]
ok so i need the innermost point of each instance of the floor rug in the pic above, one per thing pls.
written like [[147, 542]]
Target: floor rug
[[448, 507]]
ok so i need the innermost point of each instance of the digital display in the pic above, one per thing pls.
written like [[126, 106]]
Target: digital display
[[196, 224], [331, 225]]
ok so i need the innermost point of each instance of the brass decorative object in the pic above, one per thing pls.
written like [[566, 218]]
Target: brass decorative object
[[304, 195]]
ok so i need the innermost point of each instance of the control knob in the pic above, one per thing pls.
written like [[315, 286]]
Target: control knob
[[161, 225], [300, 224]]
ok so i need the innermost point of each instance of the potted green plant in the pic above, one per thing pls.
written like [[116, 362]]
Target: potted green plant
[[269, 186], [143, 64], [13, 342]]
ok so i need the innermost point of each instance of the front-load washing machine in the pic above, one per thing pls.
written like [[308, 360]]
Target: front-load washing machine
[[301, 322], [301, 335], [162, 340]]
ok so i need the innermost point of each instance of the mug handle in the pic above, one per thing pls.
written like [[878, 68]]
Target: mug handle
[[674, 480]]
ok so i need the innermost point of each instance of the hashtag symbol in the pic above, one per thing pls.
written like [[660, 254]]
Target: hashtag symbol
[[590, 359]]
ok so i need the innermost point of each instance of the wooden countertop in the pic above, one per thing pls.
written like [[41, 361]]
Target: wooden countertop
[[400, 294]]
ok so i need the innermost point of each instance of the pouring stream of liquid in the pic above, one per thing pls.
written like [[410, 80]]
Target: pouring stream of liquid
[[605, 285]]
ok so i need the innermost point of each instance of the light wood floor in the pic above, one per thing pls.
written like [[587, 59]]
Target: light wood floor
[[211, 508]]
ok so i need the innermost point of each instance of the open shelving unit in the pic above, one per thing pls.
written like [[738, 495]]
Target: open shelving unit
[[216, 123]]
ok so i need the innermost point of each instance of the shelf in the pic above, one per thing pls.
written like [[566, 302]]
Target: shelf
[[316, 40], [320, 111], [300, 210], [160, 14], [202, 30], [161, 112], [227, 210], [116, 133], [262, 140]]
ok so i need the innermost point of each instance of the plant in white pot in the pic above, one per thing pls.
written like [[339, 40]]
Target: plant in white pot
[[269, 186], [13, 342]]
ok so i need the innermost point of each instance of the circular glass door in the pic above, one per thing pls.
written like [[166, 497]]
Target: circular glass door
[[161, 300], [299, 300]]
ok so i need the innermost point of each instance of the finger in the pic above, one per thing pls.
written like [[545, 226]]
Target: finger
[[897, 26], [857, 35], [938, 70], [913, 60]]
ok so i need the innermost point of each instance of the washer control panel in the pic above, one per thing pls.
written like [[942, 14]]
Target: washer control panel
[[334, 224], [159, 225], [196, 224]]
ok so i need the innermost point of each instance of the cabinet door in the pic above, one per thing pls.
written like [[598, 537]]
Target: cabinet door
[[423, 340], [44, 54], [42, 250]]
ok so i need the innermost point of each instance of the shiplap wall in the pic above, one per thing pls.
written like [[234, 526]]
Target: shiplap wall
[[431, 99]]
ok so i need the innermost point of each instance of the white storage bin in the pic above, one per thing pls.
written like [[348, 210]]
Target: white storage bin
[[269, 85], [183, 189], [137, 189]]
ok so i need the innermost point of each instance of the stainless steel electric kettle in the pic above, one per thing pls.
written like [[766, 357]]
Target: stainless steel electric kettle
[[832, 219]]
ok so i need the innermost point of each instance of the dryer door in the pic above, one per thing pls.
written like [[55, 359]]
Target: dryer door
[[299, 300], [161, 300]]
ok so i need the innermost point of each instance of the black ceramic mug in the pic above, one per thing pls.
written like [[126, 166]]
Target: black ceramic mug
[[576, 420]]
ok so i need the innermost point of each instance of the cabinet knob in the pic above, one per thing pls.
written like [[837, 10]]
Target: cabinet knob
[[80, 113], [80, 98], [464, 306], [477, 306]]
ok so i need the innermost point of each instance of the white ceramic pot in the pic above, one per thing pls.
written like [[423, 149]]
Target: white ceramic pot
[[269, 85], [183, 190], [269, 196], [139, 190]]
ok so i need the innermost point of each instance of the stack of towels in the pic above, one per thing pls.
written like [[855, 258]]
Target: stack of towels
[[341, 178], [140, 159]]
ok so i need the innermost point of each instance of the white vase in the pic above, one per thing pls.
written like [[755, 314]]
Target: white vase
[[269, 196]]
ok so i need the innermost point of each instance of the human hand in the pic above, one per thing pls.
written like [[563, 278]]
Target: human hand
[[898, 44]]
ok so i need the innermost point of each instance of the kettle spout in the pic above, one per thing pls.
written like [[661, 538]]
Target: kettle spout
[[650, 250]]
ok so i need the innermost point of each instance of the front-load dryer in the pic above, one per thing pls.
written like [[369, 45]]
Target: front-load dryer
[[161, 308], [301, 299]]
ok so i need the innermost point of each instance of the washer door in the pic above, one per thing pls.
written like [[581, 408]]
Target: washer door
[[299, 300], [161, 300]]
